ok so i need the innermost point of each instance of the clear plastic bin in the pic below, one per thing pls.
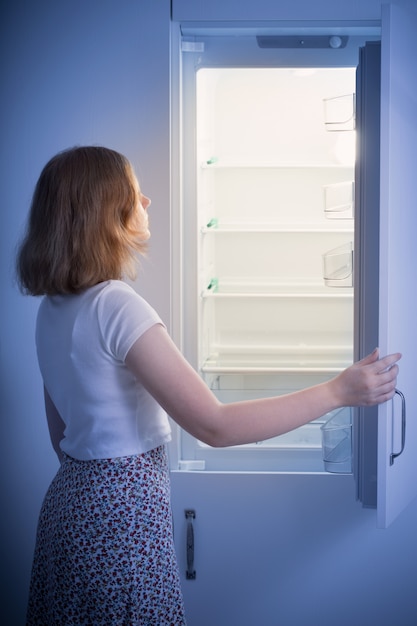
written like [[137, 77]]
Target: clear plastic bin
[[338, 266], [339, 200], [339, 113], [336, 436]]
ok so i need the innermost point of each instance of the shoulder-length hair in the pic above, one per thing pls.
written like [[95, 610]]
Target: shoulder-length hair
[[84, 226]]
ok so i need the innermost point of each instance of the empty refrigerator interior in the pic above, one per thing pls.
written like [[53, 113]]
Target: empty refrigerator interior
[[274, 227]]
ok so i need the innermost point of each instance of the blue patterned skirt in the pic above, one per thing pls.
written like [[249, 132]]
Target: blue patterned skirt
[[104, 551]]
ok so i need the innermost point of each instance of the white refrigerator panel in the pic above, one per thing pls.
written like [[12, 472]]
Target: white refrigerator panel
[[241, 192], [397, 484]]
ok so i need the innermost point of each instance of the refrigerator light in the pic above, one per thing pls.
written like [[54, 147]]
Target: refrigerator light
[[335, 42]]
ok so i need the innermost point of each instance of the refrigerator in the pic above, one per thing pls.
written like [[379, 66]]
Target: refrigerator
[[292, 243]]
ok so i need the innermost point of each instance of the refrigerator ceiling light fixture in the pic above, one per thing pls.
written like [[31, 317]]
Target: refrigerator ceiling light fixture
[[301, 41]]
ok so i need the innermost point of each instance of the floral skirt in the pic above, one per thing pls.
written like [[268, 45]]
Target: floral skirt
[[104, 551]]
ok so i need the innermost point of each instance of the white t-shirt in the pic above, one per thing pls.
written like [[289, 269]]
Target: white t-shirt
[[82, 341]]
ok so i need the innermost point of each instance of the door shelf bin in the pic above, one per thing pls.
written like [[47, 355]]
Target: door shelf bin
[[338, 266], [339, 200], [339, 113], [337, 442]]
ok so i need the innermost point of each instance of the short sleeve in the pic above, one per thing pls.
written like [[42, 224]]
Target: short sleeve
[[123, 317]]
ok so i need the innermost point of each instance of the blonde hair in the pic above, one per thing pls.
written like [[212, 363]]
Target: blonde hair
[[84, 226]]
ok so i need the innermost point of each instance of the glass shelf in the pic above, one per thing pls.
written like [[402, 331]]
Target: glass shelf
[[296, 359], [217, 227], [226, 288], [214, 163]]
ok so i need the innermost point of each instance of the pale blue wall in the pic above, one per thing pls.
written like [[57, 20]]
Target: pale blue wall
[[72, 72], [98, 72]]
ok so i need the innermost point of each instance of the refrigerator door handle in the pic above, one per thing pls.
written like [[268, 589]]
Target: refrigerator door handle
[[394, 455], [190, 574]]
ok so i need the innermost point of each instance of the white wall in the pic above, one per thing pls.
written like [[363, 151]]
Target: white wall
[[98, 72]]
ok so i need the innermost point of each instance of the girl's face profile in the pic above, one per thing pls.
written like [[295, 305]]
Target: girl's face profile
[[144, 200], [142, 208], [143, 204]]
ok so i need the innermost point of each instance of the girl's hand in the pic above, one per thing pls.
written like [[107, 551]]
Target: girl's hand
[[369, 381]]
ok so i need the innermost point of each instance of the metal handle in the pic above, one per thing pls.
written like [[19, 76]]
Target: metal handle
[[394, 455], [190, 573]]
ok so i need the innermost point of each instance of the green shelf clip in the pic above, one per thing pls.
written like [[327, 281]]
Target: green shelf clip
[[213, 285], [213, 223]]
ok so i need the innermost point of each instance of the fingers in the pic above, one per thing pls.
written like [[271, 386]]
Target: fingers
[[383, 374], [385, 393], [380, 398], [386, 363], [385, 383], [370, 381], [370, 358], [383, 363], [387, 376], [388, 380]]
